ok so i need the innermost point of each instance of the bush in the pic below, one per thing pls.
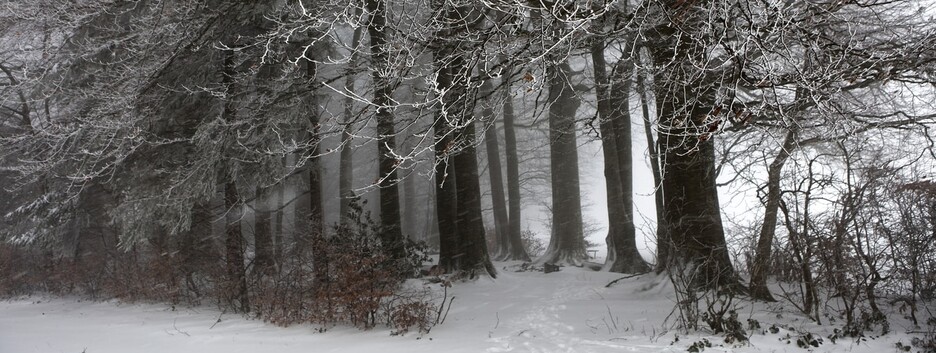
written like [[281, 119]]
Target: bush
[[361, 284], [533, 244], [356, 282]]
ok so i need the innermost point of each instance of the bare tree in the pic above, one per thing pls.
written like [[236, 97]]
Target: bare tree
[[685, 96], [390, 220]]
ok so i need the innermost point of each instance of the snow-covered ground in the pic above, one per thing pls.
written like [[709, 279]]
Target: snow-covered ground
[[566, 311]]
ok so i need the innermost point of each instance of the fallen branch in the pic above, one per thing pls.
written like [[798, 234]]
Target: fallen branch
[[623, 278]]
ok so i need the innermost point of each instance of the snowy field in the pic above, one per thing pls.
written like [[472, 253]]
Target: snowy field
[[566, 311]]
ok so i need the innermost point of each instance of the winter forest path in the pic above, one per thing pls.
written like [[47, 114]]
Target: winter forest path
[[571, 315]]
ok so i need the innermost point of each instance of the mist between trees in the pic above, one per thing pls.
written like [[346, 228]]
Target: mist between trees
[[260, 155]]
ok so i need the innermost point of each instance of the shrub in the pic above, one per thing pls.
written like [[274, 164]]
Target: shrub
[[361, 284]]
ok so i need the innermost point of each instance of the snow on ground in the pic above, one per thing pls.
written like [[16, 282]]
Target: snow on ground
[[566, 311]]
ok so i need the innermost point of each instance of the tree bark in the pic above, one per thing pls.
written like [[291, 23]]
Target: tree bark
[[278, 246], [473, 255], [445, 178], [316, 211], [758, 284], [496, 175], [263, 240], [445, 196], [664, 245], [234, 238], [346, 156], [391, 233], [517, 250], [614, 122], [410, 209], [234, 251], [609, 149], [567, 243], [684, 98], [195, 245]]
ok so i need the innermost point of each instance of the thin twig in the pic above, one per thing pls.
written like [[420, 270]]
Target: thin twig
[[623, 278], [218, 320], [447, 310]]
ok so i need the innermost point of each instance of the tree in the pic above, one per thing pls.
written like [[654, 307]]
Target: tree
[[467, 250], [496, 174], [346, 167], [685, 95], [567, 243], [615, 124], [663, 243], [517, 250], [236, 286], [826, 107], [377, 29]]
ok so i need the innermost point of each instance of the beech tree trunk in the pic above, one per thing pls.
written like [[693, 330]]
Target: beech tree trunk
[[391, 232], [278, 246], [664, 245], [473, 256], [684, 98], [263, 240], [445, 196], [567, 243], [517, 250], [411, 209], [346, 156], [316, 212], [234, 239], [614, 122], [758, 284], [497, 179], [458, 105], [234, 251], [446, 192], [196, 245]]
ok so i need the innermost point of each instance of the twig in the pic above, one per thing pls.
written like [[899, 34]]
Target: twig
[[444, 295], [177, 329], [447, 310], [623, 278], [218, 320]]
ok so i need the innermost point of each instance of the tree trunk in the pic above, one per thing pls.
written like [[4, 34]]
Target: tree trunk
[[280, 204], [234, 239], [346, 156], [457, 108], [758, 284], [628, 259], [445, 196], [664, 246], [497, 178], [411, 209], [391, 233], [302, 212], [684, 99], [263, 240], [517, 250], [567, 243], [316, 212], [473, 256], [195, 245], [234, 251], [614, 122]]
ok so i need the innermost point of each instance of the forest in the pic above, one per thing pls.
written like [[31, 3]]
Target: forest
[[308, 161]]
